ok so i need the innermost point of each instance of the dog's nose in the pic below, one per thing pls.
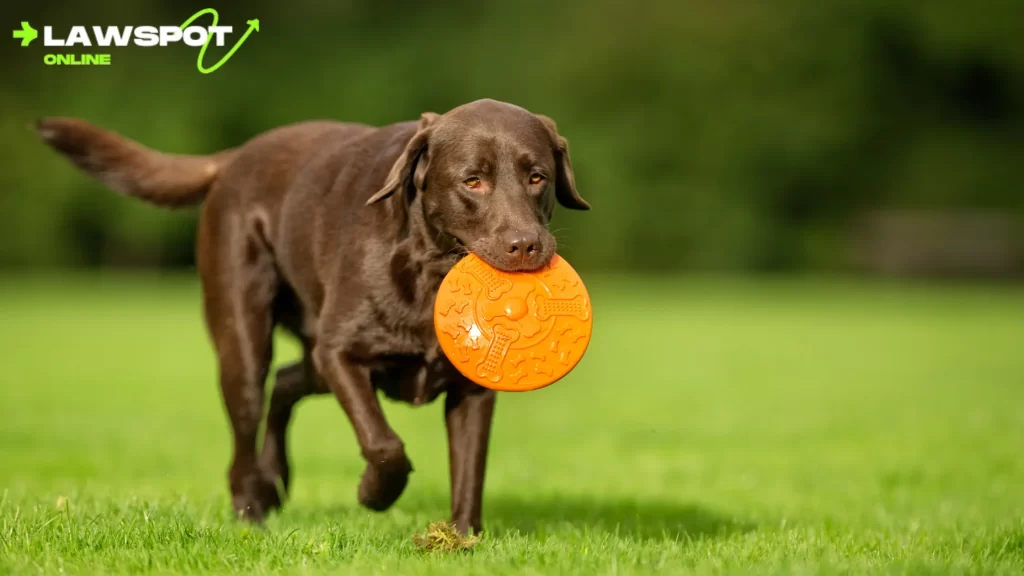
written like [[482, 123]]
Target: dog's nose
[[522, 247]]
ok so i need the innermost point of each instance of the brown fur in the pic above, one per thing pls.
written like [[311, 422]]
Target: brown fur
[[341, 233]]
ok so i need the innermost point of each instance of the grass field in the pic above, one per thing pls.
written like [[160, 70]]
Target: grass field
[[715, 425]]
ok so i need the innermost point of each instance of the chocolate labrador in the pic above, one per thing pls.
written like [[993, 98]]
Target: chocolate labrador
[[341, 233]]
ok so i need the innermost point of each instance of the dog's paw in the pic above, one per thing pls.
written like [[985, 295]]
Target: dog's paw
[[257, 496], [382, 484]]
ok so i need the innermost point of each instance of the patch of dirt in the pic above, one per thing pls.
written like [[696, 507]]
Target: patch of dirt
[[444, 537]]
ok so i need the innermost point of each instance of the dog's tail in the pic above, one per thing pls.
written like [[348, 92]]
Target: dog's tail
[[129, 167]]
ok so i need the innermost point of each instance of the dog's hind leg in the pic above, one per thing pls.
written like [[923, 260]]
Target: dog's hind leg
[[239, 285], [292, 383]]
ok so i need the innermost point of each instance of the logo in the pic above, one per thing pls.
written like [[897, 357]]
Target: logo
[[27, 34], [188, 33]]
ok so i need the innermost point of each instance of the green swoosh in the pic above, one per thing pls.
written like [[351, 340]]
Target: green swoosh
[[253, 25]]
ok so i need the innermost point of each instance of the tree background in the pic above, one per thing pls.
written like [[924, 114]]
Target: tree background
[[728, 136]]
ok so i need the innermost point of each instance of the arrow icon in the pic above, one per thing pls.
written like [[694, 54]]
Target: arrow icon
[[254, 26], [27, 34]]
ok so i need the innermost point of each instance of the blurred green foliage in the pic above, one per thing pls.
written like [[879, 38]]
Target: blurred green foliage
[[730, 135]]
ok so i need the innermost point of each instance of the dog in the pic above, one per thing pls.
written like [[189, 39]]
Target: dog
[[341, 233]]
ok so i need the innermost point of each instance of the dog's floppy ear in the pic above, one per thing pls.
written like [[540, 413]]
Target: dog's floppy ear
[[565, 180], [411, 166]]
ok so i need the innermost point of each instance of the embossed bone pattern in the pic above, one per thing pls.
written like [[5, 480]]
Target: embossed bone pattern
[[513, 331]]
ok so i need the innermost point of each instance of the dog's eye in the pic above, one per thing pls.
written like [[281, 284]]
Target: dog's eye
[[472, 183], [536, 178]]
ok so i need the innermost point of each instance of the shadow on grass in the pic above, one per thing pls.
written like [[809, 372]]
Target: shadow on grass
[[629, 518]]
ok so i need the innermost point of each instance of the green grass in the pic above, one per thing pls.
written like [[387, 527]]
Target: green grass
[[714, 425]]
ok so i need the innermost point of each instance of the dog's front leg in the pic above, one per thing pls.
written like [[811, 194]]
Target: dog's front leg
[[468, 411], [387, 467]]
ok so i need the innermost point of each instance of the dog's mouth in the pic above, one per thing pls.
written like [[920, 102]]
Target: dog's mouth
[[502, 264], [457, 248], [462, 249]]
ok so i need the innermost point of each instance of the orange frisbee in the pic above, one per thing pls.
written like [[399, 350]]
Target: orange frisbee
[[513, 331]]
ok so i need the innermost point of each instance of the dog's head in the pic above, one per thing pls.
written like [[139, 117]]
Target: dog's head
[[487, 175]]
